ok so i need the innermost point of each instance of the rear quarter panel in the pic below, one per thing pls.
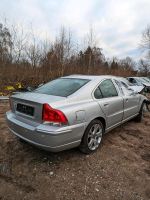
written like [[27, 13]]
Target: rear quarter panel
[[82, 112]]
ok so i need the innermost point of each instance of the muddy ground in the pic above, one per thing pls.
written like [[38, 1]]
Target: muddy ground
[[119, 170]]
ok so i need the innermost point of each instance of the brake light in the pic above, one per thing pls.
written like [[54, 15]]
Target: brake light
[[52, 115]]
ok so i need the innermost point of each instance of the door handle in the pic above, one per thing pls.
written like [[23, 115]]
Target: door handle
[[106, 104]]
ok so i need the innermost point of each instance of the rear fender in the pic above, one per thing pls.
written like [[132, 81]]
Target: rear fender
[[83, 112]]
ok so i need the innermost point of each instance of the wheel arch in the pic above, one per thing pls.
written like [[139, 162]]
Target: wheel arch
[[103, 121]]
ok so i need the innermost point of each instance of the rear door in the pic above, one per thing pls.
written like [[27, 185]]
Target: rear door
[[110, 102]]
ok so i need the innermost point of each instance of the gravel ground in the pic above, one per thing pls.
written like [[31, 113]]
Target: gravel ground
[[119, 170]]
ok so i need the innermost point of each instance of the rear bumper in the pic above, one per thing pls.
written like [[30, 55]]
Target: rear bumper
[[45, 136]]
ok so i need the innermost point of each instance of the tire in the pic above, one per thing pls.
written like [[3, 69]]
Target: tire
[[92, 137], [148, 107], [139, 117]]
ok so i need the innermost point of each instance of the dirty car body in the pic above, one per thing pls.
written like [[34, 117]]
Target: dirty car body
[[56, 116]]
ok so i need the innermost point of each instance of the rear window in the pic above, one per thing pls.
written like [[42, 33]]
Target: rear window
[[62, 87]]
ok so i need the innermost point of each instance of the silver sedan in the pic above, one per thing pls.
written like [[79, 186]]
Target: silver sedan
[[73, 111]]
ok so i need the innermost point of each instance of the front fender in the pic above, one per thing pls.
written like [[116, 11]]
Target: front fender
[[142, 99]]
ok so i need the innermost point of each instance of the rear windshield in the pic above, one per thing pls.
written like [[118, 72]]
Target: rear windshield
[[62, 87]]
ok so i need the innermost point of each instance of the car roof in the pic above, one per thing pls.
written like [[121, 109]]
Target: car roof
[[90, 77], [121, 78], [135, 77]]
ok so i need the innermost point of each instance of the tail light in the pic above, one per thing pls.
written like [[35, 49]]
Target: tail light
[[52, 115]]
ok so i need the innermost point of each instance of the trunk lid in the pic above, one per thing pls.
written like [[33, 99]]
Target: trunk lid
[[30, 105]]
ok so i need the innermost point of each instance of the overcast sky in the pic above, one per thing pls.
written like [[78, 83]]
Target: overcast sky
[[117, 23]]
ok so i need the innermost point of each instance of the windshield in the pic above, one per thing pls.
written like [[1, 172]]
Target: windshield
[[142, 80], [126, 82], [62, 87], [136, 81], [146, 79]]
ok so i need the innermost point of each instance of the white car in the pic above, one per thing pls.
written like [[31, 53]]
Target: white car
[[127, 84], [139, 81]]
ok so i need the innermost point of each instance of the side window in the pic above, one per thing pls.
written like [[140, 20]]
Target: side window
[[108, 89], [98, 94]]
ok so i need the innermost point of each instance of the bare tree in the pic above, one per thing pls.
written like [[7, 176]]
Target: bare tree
[[128, 63], [5, 45], [33, 50], [145, 45], [31, 60], [144, 67], [19, 39], [91, 41], [62, 48], [145, 42]]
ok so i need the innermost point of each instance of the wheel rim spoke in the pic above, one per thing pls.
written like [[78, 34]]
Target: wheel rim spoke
[[94, 136], [90, 135], [91, 143], [99, 133], [96, 128]]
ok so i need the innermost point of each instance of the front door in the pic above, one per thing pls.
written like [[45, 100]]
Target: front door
[[131, 103]]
